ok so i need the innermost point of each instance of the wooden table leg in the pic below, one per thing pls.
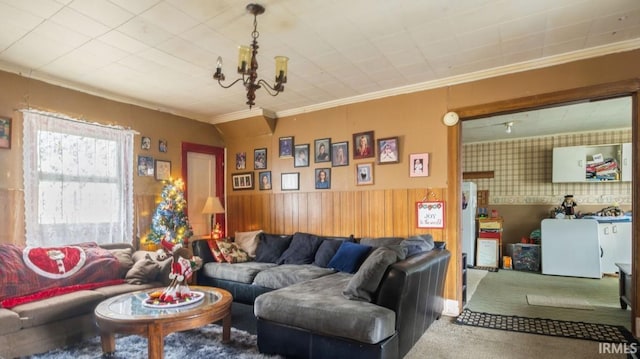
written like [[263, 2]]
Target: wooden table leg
[[226, 328], [156, 342], [108, 342]]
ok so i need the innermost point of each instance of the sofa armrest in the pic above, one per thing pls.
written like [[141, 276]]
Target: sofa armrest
[[414, 290]]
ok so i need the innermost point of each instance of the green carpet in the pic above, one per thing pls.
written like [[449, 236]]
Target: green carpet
[[505, 292]]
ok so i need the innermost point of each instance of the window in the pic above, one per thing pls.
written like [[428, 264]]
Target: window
[[78, 181]]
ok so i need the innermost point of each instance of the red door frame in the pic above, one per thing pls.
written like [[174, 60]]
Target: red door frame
[[218, 152]]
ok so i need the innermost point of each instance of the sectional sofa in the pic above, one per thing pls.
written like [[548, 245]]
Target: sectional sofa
[[335, 297], [62, 311]]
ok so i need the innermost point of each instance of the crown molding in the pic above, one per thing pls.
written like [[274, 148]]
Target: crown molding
[[621, 46]]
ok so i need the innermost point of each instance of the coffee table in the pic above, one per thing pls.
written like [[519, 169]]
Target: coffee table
[[126, 313]]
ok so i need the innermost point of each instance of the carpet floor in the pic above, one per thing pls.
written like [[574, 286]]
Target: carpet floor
[[205, 342]]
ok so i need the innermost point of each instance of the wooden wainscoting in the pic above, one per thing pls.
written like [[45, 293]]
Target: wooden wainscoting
[[377, 213]]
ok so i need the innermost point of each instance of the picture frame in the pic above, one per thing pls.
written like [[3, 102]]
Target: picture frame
[[290, 181], [264, 179], [162, 145], [162, 170], [301, 158], [145, 165], [5, 133], [364, 174], [260, 159], [430, 214], [145, 143], [363, 145], [242, 181], [323, 178], [419, 165], [487, 252], [340, 154], [388, 150], [241, 160], [285, 147], [322, 150]]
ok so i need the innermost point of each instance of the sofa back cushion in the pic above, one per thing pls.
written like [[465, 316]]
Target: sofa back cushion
[[418, 244], [327, 250], [363, 285], [349, 257], [232, 253], [271, 247], [248, 241], [302, 249]]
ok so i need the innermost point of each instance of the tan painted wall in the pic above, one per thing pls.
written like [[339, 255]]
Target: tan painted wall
[[20, 92]]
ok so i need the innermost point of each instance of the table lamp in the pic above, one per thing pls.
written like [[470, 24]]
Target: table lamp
[[212, 207]]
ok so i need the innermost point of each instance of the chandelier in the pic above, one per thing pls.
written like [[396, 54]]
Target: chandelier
[[248, 65]]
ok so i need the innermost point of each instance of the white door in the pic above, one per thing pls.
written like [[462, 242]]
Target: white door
[[201, 184]]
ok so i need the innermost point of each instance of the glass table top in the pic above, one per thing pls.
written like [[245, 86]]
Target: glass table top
[[130, 305]]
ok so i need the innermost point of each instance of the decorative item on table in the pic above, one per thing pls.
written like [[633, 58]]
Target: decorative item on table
[[171, 229], [213, 206]]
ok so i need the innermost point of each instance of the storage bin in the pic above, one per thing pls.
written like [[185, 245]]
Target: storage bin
[[526, 257]]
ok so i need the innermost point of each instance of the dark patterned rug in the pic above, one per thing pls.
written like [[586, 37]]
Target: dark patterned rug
[[490, 269], [558, 328]]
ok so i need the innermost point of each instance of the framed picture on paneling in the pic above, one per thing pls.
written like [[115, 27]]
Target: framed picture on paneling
[[260, 159], [290, 181], [322, 149], [265, 180], [364, 173], [301, 156], [163, 170], [430, 214], [285, 147], [363, 145], [241, 181], [5, 133], [419, 165], [340, 154]]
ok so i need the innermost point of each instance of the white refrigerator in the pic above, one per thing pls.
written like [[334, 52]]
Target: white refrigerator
[[469, 207]]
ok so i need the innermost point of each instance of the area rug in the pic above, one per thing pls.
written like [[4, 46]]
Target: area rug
[[205, 342], [558, 328], [560, 302]]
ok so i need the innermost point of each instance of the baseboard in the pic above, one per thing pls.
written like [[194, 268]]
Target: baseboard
[[451, 308]]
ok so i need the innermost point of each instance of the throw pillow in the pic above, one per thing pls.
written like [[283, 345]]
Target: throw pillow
[[124, 257], [215, 251], [302, 249], [232, 253], [363, 285], [393, 243], [143, 271], [349, 257], [271, 247], [326, 251], [418, 244], [248, 241]]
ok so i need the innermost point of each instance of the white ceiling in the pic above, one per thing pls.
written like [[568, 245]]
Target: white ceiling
[[161, 53]]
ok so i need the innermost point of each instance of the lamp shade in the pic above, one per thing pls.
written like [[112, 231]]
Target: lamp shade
[[212, 206]]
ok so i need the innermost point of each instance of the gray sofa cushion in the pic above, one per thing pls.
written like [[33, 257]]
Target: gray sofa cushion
[[418, 244], [318, 305], [365, 282], [288, 274], [57, 308], [302, 249], [9, 321], [326, 251], [238, 272]]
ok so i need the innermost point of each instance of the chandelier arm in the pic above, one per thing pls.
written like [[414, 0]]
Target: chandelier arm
[[231, 84], [276, 90]]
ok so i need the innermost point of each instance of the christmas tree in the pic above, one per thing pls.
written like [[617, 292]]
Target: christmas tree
[[169, 220]]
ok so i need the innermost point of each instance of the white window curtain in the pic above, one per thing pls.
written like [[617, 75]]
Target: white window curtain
[[78, 181]]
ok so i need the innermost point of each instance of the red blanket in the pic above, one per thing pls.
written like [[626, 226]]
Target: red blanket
[[25, 271]]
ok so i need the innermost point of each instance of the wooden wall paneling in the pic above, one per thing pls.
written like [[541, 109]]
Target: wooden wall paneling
[[348, 214], [402, 209], [289, 213], [255, 221], [315, 212], [389, 211], [302, 203], [358, 231], [279, 213], [326, 227], [377, 208]]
